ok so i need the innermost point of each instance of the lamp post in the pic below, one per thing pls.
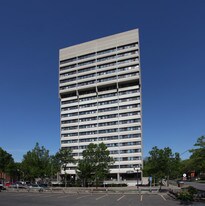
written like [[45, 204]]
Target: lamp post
[[137, 175], [137, 178]]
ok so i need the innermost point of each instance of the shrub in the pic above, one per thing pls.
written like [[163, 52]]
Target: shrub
[[185, 196], [192, 190]]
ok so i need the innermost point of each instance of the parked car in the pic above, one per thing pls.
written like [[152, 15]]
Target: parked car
[[17, 186], [7, 184], [13, 185], [180, 183], [36, 187], [2, 187], [43, 185]]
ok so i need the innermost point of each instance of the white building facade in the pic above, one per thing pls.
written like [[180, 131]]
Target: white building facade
[[100, 100]]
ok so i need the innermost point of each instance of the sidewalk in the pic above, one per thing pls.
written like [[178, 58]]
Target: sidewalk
[[124, 190]]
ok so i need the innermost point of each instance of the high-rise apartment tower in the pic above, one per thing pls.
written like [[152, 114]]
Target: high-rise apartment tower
[[100, 100]]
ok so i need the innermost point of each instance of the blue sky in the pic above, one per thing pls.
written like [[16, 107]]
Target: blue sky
[[172, 41]]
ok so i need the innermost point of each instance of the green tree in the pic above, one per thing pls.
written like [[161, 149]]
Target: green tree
[[62, 158], [186, 166], [162, 163], [55, 166], [36, 163], [7, 164], [84, 171], [198, 156], [95, 163]]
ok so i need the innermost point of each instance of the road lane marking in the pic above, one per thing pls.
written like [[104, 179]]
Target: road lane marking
[[18, 194], [33, 195], [101, 197], [68, 195], [120, 198], [51, 195], [82, 197], [141, 197], [163, 197]]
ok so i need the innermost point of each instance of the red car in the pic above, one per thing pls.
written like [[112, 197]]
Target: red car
[[8, 184]]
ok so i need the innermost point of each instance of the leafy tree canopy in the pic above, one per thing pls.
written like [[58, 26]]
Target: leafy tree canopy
[[63, 157], [36, 163], [198, 155], [95, 163], [162, 163], [6, 161]]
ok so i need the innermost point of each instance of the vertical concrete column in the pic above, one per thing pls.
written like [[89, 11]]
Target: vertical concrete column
[[118, 177]]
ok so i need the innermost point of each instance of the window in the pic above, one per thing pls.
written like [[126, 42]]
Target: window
[[129, 106], [88, 133], [86, 56], [86, 76], [107, 131], [107, 123], [69, 115], [87, 119], [108, 102], [69, 128], [68, 73], [130, 151], [86, 83], [107, 109], [112, 145], [68, 67], [87, 99], [68, 60], [129, 128], [127, 53], [107, 79], [129, 136], [68, 141], [88, 140], [86, 69], [128, 75], [69, 101], [69, 121], [128, 158], [69, 134], [128, 68], [108, 138], [108, 116], [114, 152], [106, 58], [129, 114], [107, 72], [129, 121], [127, 46], [127, 61], [86, 63], [129, 99], [106, 65], [106, 51], [67, 87], [107, 95], [129, 92], [88, 112], [88, 126], [88, 105]]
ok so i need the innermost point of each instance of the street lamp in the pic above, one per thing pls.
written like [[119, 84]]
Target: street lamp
[[137, 175]]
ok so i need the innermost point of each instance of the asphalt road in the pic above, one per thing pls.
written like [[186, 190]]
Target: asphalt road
[[199, 186], [59, 199]]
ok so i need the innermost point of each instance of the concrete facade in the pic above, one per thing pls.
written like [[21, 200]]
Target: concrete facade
[[100, 96]]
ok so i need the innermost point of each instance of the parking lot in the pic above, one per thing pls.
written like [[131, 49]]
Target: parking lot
[[60, 199]]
